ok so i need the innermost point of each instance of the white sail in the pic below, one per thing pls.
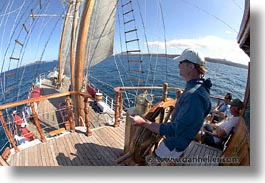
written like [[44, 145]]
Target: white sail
[[100, 38], [101, 32]]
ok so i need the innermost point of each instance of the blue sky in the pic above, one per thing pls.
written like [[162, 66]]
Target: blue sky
[[210, 26]]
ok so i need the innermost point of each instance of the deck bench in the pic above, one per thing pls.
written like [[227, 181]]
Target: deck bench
[[234, 153]]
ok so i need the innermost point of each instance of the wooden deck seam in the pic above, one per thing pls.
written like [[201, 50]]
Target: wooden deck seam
[[81, 153], [88, 151], [102, 155]]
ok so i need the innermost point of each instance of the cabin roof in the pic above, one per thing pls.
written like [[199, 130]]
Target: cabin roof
[[243, 37]]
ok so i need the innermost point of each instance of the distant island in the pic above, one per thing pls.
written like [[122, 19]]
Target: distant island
[[208, 59], [36, 62], [226, 62]]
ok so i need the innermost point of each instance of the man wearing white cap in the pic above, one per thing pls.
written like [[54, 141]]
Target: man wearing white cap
[[190, 110]]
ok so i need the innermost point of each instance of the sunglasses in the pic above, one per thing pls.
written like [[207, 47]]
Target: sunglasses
[[184, 61]]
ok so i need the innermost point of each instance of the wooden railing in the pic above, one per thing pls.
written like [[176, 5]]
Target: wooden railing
[[219, 99], [118, 109], [119, 102], [35, 115]]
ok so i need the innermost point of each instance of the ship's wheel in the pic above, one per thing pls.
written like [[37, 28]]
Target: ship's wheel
[[144, 142]]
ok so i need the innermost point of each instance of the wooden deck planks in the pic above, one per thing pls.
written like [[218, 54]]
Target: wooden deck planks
[[71, 151], [75, 149], [46, 154], [101, 153], [201, 155], [53, 150], [107, 146], [101, 149], [80, 151]]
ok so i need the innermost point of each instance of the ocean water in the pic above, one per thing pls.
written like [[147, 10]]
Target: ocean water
[[156, 71], [224, 78], [20, 81]]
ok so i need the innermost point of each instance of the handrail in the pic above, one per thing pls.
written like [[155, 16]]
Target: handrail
[[45, 97], [118, 106], [119, 90], [35, 115], [218, 99]]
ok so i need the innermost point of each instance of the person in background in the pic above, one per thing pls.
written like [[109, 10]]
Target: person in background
[[221, 111], [28, 113], [18, 121], [25, 133], [215, 134], [24, 114], [190, 110]]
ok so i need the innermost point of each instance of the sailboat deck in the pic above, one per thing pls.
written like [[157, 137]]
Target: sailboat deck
[[75, 149]]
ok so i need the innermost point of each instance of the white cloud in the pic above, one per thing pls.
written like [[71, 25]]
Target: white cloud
[[210, 46]]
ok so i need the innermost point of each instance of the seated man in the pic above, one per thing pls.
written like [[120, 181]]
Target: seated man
[[215, 135], [221, 111]]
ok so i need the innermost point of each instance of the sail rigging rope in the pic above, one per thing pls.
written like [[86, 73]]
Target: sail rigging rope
[[21, 55], [15, 25], [122, 51], [212, 15], [12, 34], [121, 78], [22, 75], [130, 29], [10, 12], [22, 18], [165, 40], [147, 46]]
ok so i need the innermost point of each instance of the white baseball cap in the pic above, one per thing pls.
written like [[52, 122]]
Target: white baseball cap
[[194, 57]]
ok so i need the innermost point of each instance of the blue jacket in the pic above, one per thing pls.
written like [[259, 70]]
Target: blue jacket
[[188, 116]]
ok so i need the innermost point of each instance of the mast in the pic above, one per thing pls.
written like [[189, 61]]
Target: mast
[[62, 43], [80, 57], [73, 45]]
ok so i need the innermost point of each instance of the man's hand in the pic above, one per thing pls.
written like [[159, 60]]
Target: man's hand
[[140, 121], [136, 120]]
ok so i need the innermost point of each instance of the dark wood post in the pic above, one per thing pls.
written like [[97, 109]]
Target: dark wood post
[[87, 118], [9, 136], [70, 113], [117, 109], [120, 102], [37, 123], [178, 93], [165, 92]]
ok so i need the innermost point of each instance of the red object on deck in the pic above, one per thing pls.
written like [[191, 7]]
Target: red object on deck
[[35, 93], [18, 120], [92, 91], [25, 133]]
